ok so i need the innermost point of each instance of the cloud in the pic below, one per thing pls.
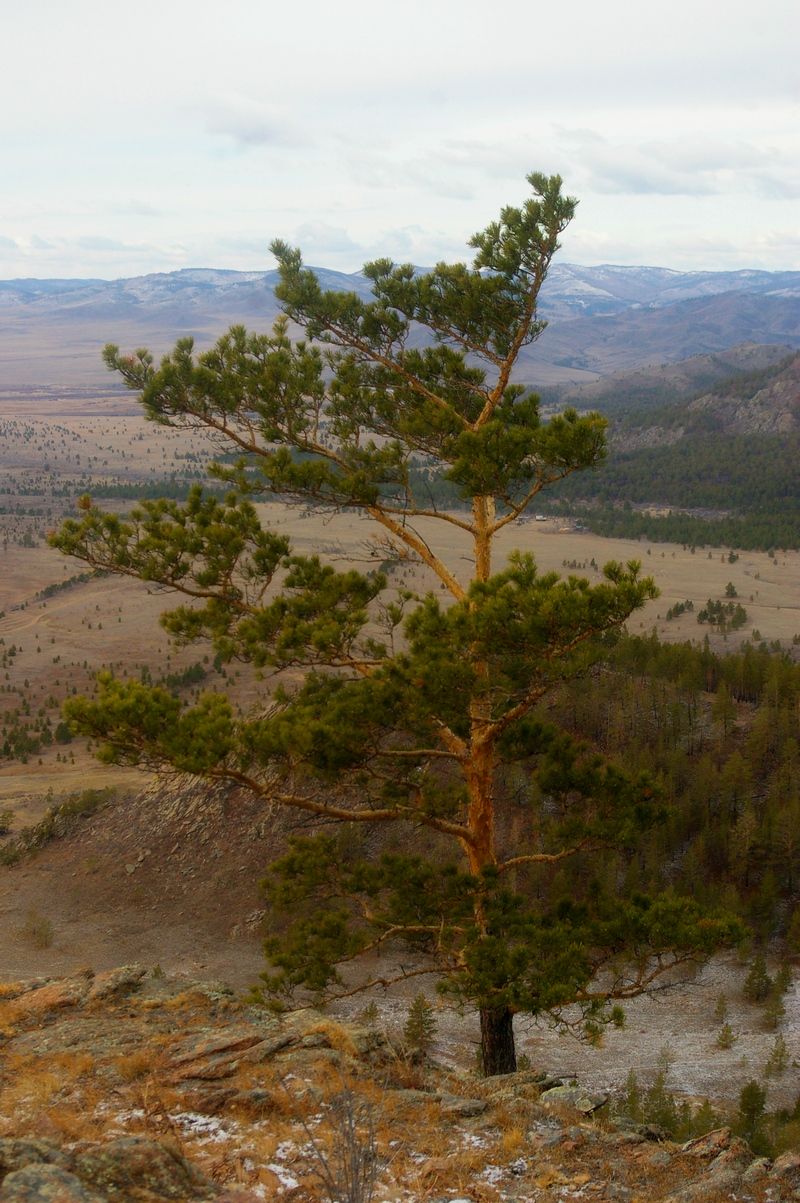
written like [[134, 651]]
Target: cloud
[[95, 242], [319, 238], [249, 123], [687, 166], [7, 244]]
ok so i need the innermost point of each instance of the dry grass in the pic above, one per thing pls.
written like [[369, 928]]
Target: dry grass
[[136, 1065], [340, 1039]]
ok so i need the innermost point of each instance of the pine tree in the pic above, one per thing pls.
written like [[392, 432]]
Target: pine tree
[[420, 1026], [402, 409], [758, 984]]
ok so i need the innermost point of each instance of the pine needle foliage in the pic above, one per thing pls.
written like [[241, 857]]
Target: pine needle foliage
[[390, 708]]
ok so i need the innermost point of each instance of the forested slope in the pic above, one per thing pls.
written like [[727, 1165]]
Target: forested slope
[[733, 451]]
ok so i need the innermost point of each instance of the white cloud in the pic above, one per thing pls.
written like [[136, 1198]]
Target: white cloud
[[362, 129], [249, 123]]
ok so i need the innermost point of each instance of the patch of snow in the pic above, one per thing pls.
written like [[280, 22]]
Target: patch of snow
[[287, 1181]]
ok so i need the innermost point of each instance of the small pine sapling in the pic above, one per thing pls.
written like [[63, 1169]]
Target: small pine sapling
[[778, 1058], [726, 1038], [721, 1009], [758, 984], [774, 1011], [784, 979], [420, 1027]]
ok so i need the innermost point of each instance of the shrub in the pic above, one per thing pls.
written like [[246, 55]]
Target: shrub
[[38, 930]]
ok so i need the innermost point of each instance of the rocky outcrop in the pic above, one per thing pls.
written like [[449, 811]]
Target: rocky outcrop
[[188, 1083]]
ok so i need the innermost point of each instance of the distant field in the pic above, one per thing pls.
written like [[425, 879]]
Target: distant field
[[111, 621]]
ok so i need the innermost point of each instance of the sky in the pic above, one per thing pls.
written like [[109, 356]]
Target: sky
[[151, 136]]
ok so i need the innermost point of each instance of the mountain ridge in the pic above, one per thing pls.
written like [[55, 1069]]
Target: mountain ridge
[[602, 319]]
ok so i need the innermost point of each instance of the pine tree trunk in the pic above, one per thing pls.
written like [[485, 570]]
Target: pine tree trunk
[[497, 1042]]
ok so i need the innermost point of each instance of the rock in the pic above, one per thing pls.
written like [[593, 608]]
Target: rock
[[15, 1154], [133, 1164], [209, 1101], [659, 1159], [652, 1132], [257, 1099], [787, 1166], [214, 991], [710, 1145], [268, 1048], [712, 1185], [454, 1105], [408, 1095], [44, 1183], [116, 981], [208, 1044], [756, 1171], [67, 992], [738, 1153], [573, 1096], [10, 990]]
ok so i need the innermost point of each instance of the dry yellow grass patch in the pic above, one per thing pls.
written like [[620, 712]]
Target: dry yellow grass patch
[[136, 1065], [339, 1037], [74, 1065]]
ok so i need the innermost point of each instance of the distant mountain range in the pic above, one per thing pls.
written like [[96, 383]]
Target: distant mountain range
[[602, 319]]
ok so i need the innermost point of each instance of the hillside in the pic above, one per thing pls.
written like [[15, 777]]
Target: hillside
[[665, 383], [732, 452], [603, 319]]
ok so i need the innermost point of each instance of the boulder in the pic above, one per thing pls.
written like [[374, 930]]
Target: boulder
[[573, 1096], [67, 992], [45, 1183], [132, 1165], [116, 981], [461, 1108], [211, 1042], [16, 1154], [709, 1145], [757, 1171], [787, 1167]]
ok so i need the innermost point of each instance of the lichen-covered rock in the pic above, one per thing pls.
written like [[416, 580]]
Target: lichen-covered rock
[[9, 990], [757, 1171], [461, 1108], [787, 1167], [709, 1145], [116, 981], [45, 1183], [573, 1096], [16, 1154], [67, 992], [134, 1164], [212, 1042]]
